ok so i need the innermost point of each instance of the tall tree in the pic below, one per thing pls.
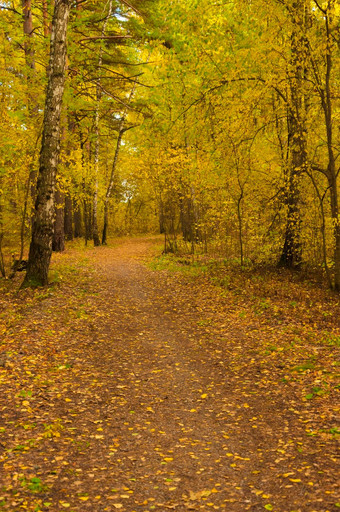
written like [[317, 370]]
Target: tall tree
[[298, 13], [325, 84], [42, 229]]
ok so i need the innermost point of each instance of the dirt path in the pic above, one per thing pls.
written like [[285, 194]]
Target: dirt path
[[138, 394]]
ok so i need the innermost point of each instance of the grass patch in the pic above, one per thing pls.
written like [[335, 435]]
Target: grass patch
[[173, 264]]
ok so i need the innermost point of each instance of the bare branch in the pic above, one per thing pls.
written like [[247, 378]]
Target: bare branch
[[95, 38], [2, 7], [127, 4]]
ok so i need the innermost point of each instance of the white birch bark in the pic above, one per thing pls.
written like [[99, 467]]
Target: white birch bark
[[42, 228]]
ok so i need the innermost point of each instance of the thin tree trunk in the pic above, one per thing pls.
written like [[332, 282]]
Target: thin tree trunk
[[45, 18], [77, 217], [42, 229], [2, 263], [331, 172], [110, 186], [96, 239], [68, 218], [28, 32], [121, 131], [32, 103], [58, 241], [291, 252], [323, 229], [240, 230]]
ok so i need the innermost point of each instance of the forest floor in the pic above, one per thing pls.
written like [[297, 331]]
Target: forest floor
[[142, 384]]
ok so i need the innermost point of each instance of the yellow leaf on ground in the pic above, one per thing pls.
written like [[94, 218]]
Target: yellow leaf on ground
[[194, 496]]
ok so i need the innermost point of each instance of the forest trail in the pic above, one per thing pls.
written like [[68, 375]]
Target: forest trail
[[145, 391]]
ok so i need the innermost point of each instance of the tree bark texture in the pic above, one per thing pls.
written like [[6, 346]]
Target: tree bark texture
[[291, 255], [42, 229]]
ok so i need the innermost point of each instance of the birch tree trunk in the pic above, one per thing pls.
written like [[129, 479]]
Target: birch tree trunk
[[42, 228]]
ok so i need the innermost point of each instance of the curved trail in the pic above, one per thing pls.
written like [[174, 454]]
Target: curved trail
[[159, 412]]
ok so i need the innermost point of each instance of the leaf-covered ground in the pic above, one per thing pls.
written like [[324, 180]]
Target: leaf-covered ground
[[126, 386]]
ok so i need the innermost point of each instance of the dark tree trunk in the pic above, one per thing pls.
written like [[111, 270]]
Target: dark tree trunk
[[88, 217], [291, 252], [291, 255], [111, 181], [77, 217], [161, 218], [335, 218], [332, 173], [42, 229], [2, 264], [106, 222], [186, 219], [58, 241], [32, 103], [68, 218]]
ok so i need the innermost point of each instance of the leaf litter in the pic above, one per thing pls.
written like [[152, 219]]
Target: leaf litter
[[124, 388]]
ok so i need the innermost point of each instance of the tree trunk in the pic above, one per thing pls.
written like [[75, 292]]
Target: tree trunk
[[291, 252], [291, 255], [58, 241], [336, 234], [45, 18], [2, 264], [32, 103], [121, 131], [78, 226], [110, 185], [332, 174], [240, 226], [186, 218], [28, 44], [68, 218], [106, 222], [42, 229], [96, 240]]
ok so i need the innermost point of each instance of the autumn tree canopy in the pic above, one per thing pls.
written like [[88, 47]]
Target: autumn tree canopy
[[213, 123]]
